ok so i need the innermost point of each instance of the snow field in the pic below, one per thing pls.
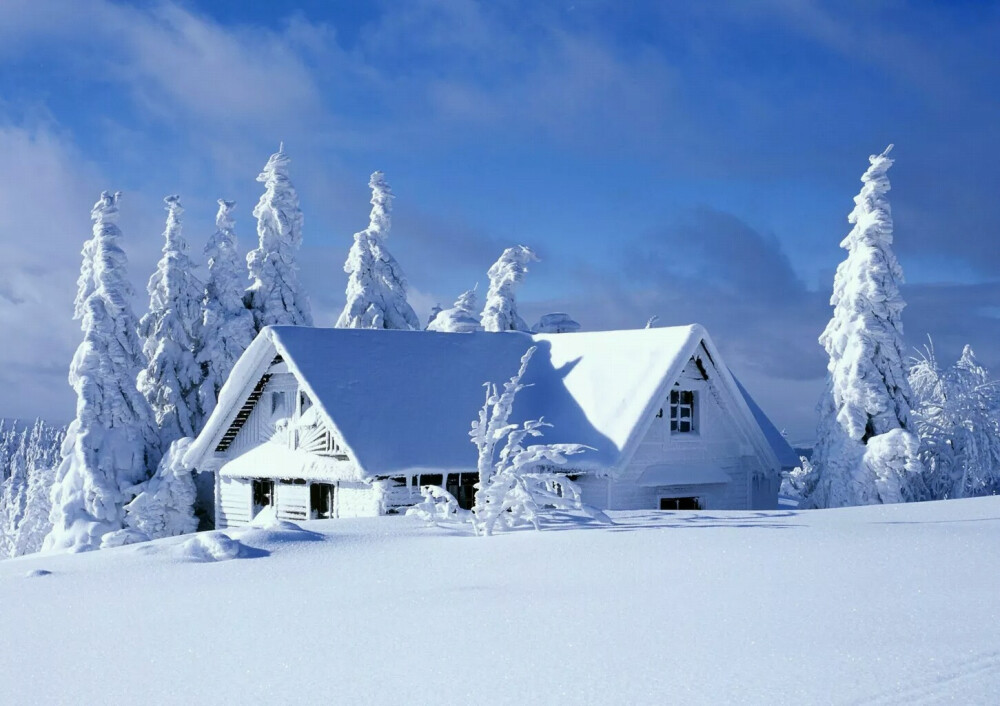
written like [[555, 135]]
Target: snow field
[[887, 604]]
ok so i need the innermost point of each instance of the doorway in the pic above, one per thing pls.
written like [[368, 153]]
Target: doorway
[[680, 504], [321, 501], [263, 494]]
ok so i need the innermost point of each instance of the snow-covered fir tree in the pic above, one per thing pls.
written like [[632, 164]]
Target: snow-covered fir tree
[[557, 322], [165, 507], [171, 332], [376, 285], [435, 310], [516, 482], [275, 296], [227, 327], [500, 312], [957, 414], [113, 441], [41, 456], [14, 494], [460, 318], [867, 391]]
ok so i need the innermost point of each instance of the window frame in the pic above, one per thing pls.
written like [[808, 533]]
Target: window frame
[[679, 402]]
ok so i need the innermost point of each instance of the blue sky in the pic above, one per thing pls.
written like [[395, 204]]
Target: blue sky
[[691, 160]]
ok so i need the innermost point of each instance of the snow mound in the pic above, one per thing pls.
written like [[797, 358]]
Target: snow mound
[[210, 546]]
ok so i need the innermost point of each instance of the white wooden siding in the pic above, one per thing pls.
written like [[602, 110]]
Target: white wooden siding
[[292, 501], [357, 500], [715, 443], [259, 426], [235, 503]]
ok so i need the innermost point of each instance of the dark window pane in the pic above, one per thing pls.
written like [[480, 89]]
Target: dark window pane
[[673, 425]]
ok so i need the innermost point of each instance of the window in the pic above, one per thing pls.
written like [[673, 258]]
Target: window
[[682, 411], [279, 404], [680, 503], [304, 402], [321, 501], [463, 487], [430, 479], [263, 494]]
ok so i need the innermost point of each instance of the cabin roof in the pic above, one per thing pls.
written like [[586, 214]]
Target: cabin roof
[[402, 401]]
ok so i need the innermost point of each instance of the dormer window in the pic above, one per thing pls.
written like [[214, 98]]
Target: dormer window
[[682, 419]]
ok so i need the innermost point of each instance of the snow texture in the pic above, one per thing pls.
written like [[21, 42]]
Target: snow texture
[[113, 441], [460, 318], [438, 507], [867, 390], [557, 322], [171, 333], [227, 327], [165, 505], [210, 547], [500, 312], [275, 296], [759, 591], [600, 389], [376, 285]]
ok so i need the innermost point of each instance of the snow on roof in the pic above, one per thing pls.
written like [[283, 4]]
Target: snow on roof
[[779, 444], [273, 459], [402, 401]]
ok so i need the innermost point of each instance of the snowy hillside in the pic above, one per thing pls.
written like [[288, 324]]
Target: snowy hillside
[[885, 604]]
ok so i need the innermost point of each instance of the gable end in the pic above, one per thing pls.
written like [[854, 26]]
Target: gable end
[[245, 411]]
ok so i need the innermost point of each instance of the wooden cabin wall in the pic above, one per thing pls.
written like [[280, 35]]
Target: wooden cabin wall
[[235, 503]]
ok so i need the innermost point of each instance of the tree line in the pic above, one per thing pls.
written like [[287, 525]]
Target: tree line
[[146, 385]]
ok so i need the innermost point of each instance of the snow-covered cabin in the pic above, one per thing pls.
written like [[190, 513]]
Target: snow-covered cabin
[[350, 422]]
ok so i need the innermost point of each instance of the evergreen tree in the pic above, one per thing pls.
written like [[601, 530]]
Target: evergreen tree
[[867, 391], [171, 334], [557, 322], [113, 441], [500, 312], [165, 507], [227, 326], [274, 296], [435, 310], [957, 414], [376, 286], [42, 455], [14, 495], [461, 318]]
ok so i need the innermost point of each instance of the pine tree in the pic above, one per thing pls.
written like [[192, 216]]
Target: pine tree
[[500, 312], [171, 334], [435, 310], [113, 442], [461, 318], [376, 286], [165, 507], [867, 390], [42, 455], [227, 326], [14, 495], [557, 322], [957, 414], [275, 296]]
